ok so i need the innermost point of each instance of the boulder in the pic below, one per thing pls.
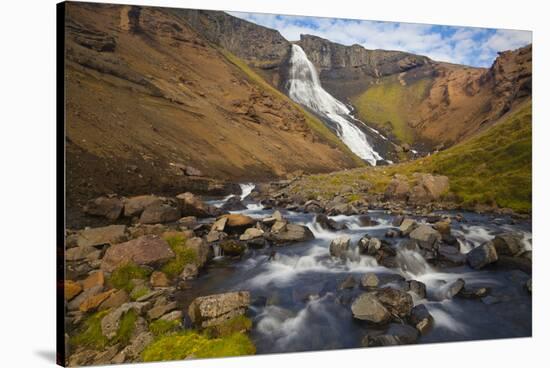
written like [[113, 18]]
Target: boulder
[[190, 271], [368, 245], [428, 188], [71, 289], [111, 234], [75, 303], [426, 237], [238, 222], [231, 247], [368, 308], [482, 255], [451, 255], [369, 281], [160, 213], [214, 236], [233, 203], [219, 225], [508, 244], [515, 263], [407, 226], [397, 189], [313, 206], [134, 206], [159, 279], [148, 250], [454, 288], [203, 251], [115, 300], [188, 222], [396, 334], [213, 310], [193, 206], [80, 253], [421, 318], [399, 303], [160, 309], [136, 346], [252, 233], [339, 247], [291, 233], [191, 171], [93, 301], [94, 279], [348, 283], [443, 227], [366, 220], [474, 293], [110, 208], [417, 287]]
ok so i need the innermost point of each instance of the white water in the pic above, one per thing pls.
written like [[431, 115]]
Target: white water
[[246, 189], [305, 88]]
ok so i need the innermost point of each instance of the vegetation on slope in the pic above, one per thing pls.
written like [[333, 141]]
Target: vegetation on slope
[[389, 105], [492, 168], [314, 123]]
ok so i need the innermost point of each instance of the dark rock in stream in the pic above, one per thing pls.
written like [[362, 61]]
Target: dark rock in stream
[[399, 303], [425, 236], [328, 223], [508, 244], [291, 233], [397, 334], [213, 310], [482, 255], [339, 247], [368, 308], [231, 247], [474, 293], [233, 204], [421, 318], [417, 287], [348, 283]]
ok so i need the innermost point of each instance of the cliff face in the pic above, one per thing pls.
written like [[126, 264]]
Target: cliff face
[[147, 95]]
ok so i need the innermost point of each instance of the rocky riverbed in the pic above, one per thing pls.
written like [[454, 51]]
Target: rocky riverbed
[[263, 272]]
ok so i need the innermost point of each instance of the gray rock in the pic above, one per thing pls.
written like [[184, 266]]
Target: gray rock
[[508, 244], [397, 334], [368, 308], [160, 213], [339, 246], [111, 234], [425, 236], [369, 281], [417, 287], [482, 255], [213, 310], [421, 318], [407, 226], [291, 233], [190, 271], [399, 303], [111, 322], [110, 208], [134, 206]]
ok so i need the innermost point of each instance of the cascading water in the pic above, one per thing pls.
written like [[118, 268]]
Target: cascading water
[[305, 88]]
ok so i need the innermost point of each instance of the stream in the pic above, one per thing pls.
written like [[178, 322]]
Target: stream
[[297, 304]]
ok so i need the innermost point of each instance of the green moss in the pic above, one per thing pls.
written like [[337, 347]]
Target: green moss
[[313, 122], [235, 324], [184, 255], [195, 345], [122, 277], [127, 326], [139, 291], [389, 105], [90, 334], [161, 327]]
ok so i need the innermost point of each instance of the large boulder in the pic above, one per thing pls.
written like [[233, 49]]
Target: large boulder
[[421, 318], [508, 244], [213, 310], [231, 247], [203, 251], [193, 206], [134, 206], [368, 245], [146, 250], [425, 236], [108, 207], [339, 246], [111, 234], [368, 308], [251, 233], [482, 255], [329, 224], [398, 188], [428, 188], [399, 303], [291, 233], [238, 222], [160, 213], [407, 226]]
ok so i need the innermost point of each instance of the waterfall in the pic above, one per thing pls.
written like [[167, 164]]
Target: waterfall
[[305, 88]]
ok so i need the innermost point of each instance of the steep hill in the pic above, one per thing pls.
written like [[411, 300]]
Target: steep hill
[[148, 95], [418, 100]]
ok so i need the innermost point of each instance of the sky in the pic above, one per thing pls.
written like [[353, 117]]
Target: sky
[[461, 45]]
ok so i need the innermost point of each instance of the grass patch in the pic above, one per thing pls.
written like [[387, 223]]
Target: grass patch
[[184, 255], [122, 277], [194, 345], [139, 291], [90, 335], [389, 105], [127, 326], [313, 122], [161, 327]]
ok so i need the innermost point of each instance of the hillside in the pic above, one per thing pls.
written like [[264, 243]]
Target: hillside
[[147, 95], [491, 169]]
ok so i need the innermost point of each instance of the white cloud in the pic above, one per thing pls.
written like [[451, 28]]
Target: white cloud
[[462, 45]]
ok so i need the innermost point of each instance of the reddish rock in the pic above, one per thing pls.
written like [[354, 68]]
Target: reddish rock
[[72, 289], [145, 250], [95, 279]]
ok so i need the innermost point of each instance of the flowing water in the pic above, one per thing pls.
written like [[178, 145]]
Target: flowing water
[[305, 88], [297, 304]]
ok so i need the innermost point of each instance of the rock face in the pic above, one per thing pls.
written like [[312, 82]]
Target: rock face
[[482, 255], [291, 233], [145, 250], [368, 308], [213, 310], [110, 208]]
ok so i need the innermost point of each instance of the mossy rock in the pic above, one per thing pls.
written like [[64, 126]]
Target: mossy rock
[[232, 247], [234, 325], [184, 255], [121, 278], [161, 327]]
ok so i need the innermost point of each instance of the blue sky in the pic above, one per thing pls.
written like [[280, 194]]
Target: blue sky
[[462, 45]]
